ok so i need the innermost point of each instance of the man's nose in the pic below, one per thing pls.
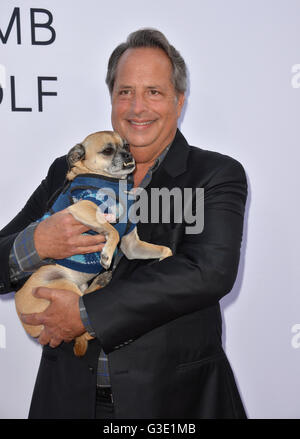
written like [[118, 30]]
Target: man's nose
[[138, 103]]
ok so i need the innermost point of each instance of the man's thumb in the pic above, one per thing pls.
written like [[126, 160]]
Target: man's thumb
[[42, 293]]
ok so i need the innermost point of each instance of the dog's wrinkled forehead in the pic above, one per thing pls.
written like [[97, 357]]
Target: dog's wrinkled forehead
[[103, 141]]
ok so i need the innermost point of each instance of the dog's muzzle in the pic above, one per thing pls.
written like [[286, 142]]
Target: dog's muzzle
[[129, 164]]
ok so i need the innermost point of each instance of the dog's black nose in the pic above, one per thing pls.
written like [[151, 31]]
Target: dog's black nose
[[127, 155]]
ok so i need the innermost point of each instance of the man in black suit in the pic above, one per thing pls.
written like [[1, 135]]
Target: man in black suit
[[157, 351]]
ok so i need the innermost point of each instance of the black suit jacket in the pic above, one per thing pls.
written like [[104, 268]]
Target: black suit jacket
[[159, 322]]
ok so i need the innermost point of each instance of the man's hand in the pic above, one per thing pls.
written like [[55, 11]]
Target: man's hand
[[61, 319], [60, 236]]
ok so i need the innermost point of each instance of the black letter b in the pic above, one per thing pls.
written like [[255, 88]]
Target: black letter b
[[46, 25]]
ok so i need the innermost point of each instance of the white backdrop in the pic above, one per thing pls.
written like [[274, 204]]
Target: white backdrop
[[244, 100]]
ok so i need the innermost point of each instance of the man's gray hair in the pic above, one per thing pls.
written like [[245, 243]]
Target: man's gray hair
[[149, 37]]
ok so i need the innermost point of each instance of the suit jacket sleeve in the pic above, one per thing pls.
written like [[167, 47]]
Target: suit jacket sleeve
[[198, 275], [33, 210]]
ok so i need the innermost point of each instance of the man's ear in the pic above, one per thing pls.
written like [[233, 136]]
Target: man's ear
[[180, 103], [75, 154]]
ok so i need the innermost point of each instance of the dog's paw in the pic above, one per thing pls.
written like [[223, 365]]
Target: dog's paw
[[105, 260], [166, 252], [81, 344]]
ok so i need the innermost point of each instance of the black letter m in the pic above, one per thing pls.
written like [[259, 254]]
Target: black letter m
[[15, 16]]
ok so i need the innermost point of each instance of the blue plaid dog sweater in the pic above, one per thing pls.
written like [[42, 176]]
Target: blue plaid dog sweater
[[112, 196]]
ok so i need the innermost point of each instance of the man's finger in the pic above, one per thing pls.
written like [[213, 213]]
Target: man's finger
[[93, 249], [80, 228], [44, 338], [54, 342], [43, 293], [88, 240], [32, 319]]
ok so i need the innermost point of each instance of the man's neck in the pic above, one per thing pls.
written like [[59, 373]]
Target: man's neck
[[140, 172], [142, 167]]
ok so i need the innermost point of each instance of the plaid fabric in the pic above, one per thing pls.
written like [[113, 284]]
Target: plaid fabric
[[24, 259]]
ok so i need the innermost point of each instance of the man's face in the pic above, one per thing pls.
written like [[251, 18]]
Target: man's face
[[145, 106]]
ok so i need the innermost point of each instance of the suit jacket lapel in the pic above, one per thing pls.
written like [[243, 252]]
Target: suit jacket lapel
[[175, 162]]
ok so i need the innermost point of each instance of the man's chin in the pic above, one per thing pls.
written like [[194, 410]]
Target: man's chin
[[139, 146], [140, 141]]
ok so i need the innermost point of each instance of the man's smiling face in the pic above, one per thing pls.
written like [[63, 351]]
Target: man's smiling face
[[145, 105]]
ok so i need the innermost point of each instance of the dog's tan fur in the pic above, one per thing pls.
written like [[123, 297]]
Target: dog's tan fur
[[59, 277]]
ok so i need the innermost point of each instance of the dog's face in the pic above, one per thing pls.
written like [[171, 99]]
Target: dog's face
[[104, 153]]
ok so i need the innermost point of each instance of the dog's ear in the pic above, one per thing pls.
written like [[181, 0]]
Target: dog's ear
[[75, 154]]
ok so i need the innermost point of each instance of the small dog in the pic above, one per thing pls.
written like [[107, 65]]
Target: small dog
[[102, 159]]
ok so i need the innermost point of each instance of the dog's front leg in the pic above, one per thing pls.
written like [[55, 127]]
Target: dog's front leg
[[87, 213], [134, 248]]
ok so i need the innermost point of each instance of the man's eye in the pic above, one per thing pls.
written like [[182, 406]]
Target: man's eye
[[124, 92], [154, 92], [108, 151]]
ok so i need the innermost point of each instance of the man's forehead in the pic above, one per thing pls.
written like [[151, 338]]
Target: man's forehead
[[148, 66], [141, 58], [150, 86]]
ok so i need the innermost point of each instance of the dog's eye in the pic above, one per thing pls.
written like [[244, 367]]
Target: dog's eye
[[126, 146], [108, 151]]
